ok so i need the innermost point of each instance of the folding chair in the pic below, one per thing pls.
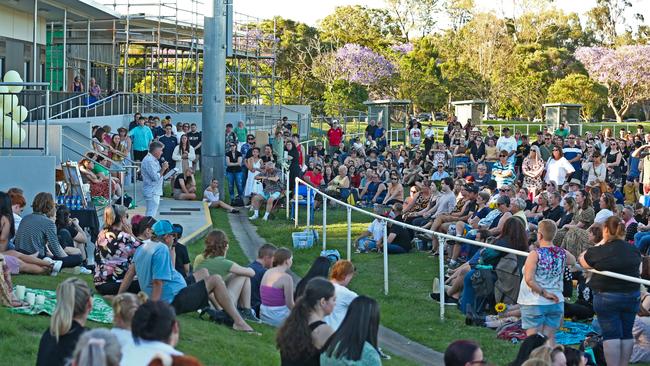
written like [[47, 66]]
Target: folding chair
[[302, 201]]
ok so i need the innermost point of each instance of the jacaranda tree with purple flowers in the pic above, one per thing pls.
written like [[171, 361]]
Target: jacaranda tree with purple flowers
[[624, 71], [361, 65]]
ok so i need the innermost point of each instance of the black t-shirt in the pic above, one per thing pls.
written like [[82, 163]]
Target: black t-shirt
[[194, 138], [402, 236], [177, 181], [471, 207], [182, 258], [615, 256], [232, 157], [370, 130], [53, 353], [553, 213]]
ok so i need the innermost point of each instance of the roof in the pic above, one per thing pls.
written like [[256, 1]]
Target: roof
[[470, 101], [562, 105], [388, 101], [52, 10]]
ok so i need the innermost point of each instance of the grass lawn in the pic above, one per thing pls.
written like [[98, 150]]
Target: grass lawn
[[407, 309]]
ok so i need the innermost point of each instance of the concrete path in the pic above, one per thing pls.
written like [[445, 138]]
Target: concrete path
[[393, 342]]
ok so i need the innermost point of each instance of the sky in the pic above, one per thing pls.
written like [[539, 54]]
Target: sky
[[311, 11]]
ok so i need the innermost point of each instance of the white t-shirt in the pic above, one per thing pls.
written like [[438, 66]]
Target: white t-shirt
[[210, 197], [144, 352], [416, 135], [376, 228], [344, 297], [124, 337], [508, 144], [428, 133], [557, 170]]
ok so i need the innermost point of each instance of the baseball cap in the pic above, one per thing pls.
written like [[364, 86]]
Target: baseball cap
[[178, 229], [471, 188], [162, 227]]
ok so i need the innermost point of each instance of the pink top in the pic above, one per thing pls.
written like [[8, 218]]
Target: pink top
[[272, 296]]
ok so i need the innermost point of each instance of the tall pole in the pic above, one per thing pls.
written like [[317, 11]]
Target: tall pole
[[89, 73], [214, 92], [34, 45], [65, 49]]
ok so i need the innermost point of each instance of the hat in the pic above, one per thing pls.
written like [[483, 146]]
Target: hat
[[469, 179], [503, 200], [136, 219], [475, 129], [162, 227], [177, 229], [471, 188], [575, 181]]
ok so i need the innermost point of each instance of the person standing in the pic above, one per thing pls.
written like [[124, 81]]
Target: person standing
[[169, 141], [509, 144], [152, 178], [334, 137], [196, 141], [95, 91], [141, 136]]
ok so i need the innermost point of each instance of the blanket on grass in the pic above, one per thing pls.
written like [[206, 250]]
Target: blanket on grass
[[100, 313]]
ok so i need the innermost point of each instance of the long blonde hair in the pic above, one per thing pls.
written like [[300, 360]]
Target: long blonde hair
[[72, 296], [125, 305]]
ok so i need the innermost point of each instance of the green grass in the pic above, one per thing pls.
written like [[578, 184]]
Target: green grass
[[407, 308]]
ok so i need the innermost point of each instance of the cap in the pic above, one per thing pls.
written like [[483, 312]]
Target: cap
[[503, 200], [471, 188], [475, 129], [162, 227], [177, 229]]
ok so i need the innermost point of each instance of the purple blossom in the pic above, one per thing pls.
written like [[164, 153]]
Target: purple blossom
[[402, 48], [361, 65], [624, 66]]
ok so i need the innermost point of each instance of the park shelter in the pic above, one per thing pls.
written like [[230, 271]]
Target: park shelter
[[474, 110], [554, 113], [393, 113]]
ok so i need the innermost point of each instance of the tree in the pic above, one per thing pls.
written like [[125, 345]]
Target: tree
[[625, 72], [413, 16], [459, 12], [361, 65], [343, 96], [603, 19], [580, 89], [373, 28]]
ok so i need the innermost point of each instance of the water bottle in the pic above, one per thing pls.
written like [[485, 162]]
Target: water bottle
[[68, 202], [77, 203]]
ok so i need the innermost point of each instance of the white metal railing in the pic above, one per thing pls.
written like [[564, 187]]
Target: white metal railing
[[442, 239]]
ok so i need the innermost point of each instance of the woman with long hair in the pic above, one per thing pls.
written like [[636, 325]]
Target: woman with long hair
[[185, 185], [533, 168], [236, 277], [73, 304], [463, 353], [596, 171], [71, 236], [97, 347], [114, 251], [320, 268], [616, 302], [98, 182], [124, 307], [356, 338], [614, 163], [557, 167], [254, 166], [184, 154], [574, 236], [303, 335], [276, 289], [569, 210]]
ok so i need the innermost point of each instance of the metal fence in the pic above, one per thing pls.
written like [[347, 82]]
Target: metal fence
[[22, 128]]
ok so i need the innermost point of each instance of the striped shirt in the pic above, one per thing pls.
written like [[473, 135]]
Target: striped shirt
[[36, 232]]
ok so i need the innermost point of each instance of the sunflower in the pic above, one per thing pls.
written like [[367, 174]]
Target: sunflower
[[500, 307]]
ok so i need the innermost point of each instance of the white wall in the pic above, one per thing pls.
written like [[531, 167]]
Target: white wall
[[19, 25], [33, 174]]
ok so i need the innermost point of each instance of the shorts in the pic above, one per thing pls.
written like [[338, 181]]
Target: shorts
[[176, 193], [538, 316], [616, 312], [192, 298], [112, 288], [274, 195], [13, 264]]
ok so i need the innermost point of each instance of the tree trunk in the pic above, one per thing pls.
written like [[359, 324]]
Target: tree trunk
[[646, 109], [617, 112]]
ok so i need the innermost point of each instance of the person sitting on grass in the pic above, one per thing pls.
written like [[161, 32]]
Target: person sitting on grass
[[540, 293], [355, 342], [320, 268], [182, 256], [37, 233], [73, 304], [160, 281], [399, 238], [124, 307], [273, 187], [185, 186], [211, 196], [370, 239], [97, 347], [155, 331], [263, 262], [71, 235], [303, 335], [237, 278], [276, 289], [342, 273]]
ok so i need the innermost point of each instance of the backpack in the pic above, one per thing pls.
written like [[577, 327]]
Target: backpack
[[483, 283], [506, 286]]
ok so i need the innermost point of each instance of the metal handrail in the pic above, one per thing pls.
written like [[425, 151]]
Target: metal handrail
[[441, 236], [68, 99], [93, 106], [95, 151]]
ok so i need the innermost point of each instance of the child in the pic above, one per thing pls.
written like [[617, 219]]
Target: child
[[540, 292], [182, 263]]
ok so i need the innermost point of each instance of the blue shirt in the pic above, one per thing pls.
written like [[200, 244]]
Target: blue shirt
[[437, 175], [571, 153], [168, 150], [256, 282], [152, 180], [141, 136], [153, 262]]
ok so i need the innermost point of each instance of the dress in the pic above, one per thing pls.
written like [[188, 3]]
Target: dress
[[576, 240], [532, 165], [252, 184], [614, 175]]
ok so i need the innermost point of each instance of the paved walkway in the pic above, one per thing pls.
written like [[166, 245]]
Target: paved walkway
[[396, 344]]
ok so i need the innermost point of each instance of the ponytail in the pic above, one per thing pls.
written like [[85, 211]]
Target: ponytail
[[98, 347], [613, 228], [125, 305], [72, 296]]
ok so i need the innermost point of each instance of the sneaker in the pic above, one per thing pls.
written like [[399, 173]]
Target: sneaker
[[383, 355], [254, 217], [84, 270], [56, 268], [448, 299], [453, 265], [249, 314], [49, 260]]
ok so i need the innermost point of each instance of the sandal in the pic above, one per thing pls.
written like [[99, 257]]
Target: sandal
[[234, 211]]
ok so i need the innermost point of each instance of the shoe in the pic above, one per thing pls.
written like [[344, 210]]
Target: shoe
[[454, 265], [265, 218], [450, 301], [49, 260], [84, 270], [234, 211], [254, 217], [249, 314], [56, 268], [383, 355]]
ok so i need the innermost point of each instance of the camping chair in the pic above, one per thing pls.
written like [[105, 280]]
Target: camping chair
[[302, 200]]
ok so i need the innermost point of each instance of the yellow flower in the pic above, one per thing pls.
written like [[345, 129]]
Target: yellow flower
[[500, 307]]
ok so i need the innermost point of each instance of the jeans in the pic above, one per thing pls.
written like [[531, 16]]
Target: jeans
[[642, 241], [70, 261], [616, 312], [366, 244], [151, 204], [396, 249], [235, 179], [468, 296]]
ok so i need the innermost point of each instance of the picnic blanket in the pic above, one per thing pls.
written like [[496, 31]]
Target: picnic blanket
[[100, 313], [572, 333]]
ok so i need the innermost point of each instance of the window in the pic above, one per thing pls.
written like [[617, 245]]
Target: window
[[2, 65], [26, 70]]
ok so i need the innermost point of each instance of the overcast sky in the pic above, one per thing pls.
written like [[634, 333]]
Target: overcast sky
[[311, 11]]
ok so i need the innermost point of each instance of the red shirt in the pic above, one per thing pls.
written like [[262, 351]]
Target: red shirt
[[315, 179], [335, 136]]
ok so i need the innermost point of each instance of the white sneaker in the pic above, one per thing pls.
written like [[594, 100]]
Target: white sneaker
[[56, 268], [84, 270], [265, 218], [254, 217], [49, 260]]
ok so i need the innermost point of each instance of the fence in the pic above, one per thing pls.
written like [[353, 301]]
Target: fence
[[441, 237], [36, 121]]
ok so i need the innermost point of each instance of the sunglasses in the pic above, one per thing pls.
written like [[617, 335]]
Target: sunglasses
[[504, 190], [503, 156]]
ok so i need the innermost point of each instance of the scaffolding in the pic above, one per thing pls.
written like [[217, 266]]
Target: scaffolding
[[155, 49]]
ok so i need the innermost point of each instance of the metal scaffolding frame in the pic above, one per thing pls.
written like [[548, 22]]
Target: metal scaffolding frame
[[156, 49]]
